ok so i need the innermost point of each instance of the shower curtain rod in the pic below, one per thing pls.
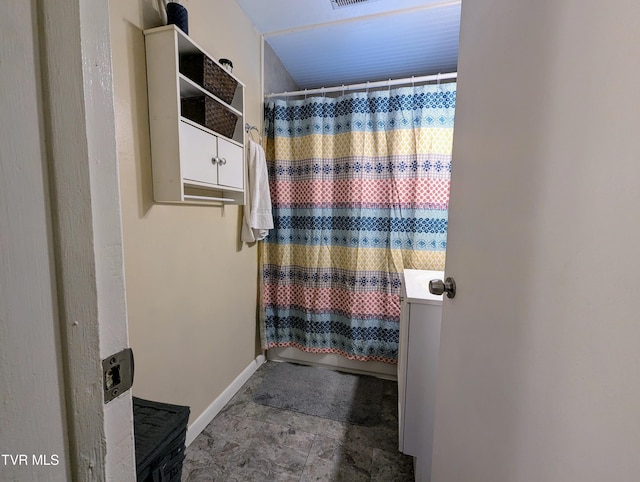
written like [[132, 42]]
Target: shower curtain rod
[[367, 85]]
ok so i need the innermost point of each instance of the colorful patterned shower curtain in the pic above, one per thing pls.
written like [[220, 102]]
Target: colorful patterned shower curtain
[[360, 191]]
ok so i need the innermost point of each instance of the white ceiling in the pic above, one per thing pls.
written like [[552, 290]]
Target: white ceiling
[[376, 40]]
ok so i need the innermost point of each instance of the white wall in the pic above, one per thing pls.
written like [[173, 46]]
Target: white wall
[[32, 413]]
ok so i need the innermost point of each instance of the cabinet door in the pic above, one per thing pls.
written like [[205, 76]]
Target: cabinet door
[[231, 167], [403, 345], [198, 155], [420, 397]]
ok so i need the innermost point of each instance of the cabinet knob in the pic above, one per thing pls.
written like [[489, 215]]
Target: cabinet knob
[[223, 161], [214, 160]]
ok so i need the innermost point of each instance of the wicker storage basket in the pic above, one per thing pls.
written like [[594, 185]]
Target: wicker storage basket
[[205, 72], [160, 430], [209, 113]]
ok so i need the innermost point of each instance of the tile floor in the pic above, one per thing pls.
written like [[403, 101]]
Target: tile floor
[[251, 442]]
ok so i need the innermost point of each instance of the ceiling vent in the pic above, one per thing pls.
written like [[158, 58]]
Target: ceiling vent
[[348, 3]]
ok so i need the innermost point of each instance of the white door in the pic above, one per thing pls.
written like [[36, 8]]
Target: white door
[[33, 418], [539, 374]]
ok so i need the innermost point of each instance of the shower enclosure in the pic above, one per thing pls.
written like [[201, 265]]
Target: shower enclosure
[[360, 190]]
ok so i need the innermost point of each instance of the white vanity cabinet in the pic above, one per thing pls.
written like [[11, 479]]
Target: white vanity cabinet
[[192, 160], [420, 322]]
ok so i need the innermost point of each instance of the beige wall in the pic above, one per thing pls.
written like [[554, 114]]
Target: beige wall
[[191, 285]]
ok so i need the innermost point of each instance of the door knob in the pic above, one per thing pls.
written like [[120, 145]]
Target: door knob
[[437, 287]]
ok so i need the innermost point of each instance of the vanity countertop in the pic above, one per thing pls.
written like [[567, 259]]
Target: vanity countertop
[[416, 286]]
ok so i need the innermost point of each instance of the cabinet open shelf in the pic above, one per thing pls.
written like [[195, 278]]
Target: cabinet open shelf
[[188, 88]]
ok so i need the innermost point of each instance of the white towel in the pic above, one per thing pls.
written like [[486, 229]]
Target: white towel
[[258, 219]]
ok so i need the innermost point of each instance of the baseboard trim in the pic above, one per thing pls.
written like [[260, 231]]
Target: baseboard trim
[[218, 404]]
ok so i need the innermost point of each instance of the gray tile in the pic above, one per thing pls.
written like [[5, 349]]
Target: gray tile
[[331, 459], [203, 474], [276, 436], [302, 422], [380, 436], [245, 409], [391, 467], [230, 428], [220, 449], [332, 429], [275, 463], [251, 442], [280, 452]]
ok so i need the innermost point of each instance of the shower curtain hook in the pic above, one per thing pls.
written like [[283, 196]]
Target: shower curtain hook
[[438, 79], [389, 87], [305, 94], [367, 86], [413, 81], [343, 89]]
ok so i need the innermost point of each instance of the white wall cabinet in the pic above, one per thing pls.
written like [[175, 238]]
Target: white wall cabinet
[[208, 159], [420, 322], [191, 162]]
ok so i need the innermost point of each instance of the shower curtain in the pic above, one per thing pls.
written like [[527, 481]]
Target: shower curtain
[[360, 191]]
